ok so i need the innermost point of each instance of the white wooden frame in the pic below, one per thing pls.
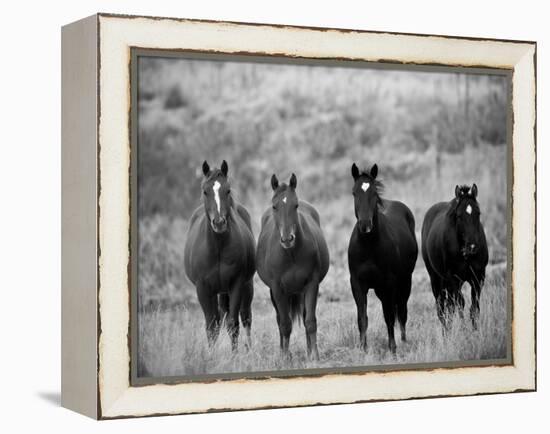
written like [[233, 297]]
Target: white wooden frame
[[96, 216]]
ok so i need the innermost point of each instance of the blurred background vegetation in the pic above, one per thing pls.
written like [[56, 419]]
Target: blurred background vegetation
[[426, 131]]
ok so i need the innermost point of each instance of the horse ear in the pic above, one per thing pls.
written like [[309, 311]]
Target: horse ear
[[374, 171], [474, 191], [274, 182], [205, 168], [224, 168], [354, 171], [457, 192], [293, 181]]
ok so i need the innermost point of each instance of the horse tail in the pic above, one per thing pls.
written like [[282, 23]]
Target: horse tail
[[296, 307], [223, 304]]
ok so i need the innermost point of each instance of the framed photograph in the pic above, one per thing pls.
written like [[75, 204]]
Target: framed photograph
[[261, 216]]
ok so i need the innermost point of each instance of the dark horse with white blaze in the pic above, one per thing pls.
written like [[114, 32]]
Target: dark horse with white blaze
[[292, 260], [454, 249], [219, 257], [382, 253]]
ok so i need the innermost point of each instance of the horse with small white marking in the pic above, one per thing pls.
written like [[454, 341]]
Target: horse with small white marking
[[382, 254], [455, 251], [219, 257], [292, 260]]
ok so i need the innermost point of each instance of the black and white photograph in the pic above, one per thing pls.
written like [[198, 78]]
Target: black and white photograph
[[294, 216], [275, 217]]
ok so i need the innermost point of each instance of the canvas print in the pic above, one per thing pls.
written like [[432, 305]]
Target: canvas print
[[296, 217]]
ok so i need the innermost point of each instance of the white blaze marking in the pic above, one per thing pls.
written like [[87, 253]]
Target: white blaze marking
[[469, 209], [284, 199], [365, 186], [216, 188]]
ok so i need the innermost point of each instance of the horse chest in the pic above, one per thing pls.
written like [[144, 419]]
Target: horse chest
[[223, 267], [368, 271], [366, 267], [460, 268]]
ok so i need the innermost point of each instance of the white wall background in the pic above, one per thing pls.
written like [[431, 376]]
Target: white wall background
[[30, 216]]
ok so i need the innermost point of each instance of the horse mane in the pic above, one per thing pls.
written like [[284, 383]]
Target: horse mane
[[464, 193]]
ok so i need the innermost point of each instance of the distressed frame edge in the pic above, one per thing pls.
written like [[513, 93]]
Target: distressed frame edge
[[306, 27], [529, 386]]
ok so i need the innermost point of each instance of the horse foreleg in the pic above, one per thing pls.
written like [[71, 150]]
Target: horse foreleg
[[402, 311], [310, 322], [284, 320], [476, 283], [223, 305], [440, 301], [360, 297], [209, 305], [246, 311], [388, 306], [232, 319], [438, 290], [455, 299]]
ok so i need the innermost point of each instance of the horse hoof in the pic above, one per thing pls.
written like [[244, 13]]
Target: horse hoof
[[314, 356], [286, 356]]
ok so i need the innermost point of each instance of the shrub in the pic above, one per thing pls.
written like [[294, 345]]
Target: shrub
[[175, 98]]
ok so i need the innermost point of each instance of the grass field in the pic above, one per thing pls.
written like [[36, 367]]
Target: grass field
[[173, 340]]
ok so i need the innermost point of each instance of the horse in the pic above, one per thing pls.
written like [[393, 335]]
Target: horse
[[292, 260], [382, 254], [219, 257], [454, 249]]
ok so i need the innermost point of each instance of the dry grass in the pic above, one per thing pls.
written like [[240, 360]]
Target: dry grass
[[173, 340]]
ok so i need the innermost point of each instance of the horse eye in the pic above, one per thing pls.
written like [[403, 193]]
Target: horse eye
[[296, 206], [228, 191], [204, 192]]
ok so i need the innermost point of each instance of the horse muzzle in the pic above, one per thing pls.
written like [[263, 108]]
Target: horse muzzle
[[288, 242], [219, 225], [365, 226]]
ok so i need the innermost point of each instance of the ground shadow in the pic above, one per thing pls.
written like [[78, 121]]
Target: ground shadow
[[52, 398]]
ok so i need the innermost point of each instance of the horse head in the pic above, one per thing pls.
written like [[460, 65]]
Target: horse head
[[216, 196], [366, 194], [285, 210], [465, 215]]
